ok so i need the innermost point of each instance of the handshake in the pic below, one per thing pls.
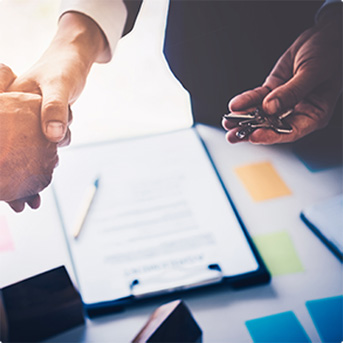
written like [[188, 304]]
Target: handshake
[[27, 157], [35, 112]]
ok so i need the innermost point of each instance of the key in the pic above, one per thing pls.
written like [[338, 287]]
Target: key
[[251, 121]]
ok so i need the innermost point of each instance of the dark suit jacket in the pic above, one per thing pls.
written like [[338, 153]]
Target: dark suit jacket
[[219, 48]]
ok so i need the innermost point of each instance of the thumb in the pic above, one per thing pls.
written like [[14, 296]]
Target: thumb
[[55, 111], [288, 95], [6, 77]]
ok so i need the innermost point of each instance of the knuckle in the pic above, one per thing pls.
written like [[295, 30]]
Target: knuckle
[[54, 105]]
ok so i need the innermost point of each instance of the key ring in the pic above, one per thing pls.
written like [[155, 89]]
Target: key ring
[[257, 119]]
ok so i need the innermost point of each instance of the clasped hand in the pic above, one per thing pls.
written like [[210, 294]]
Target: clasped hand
[[35, 118], [27, 158]]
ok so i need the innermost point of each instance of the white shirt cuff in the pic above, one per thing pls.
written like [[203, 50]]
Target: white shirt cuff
[[110, 16]]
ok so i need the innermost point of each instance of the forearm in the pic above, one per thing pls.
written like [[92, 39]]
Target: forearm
[[81, 35], [77, 44], [88, 31]]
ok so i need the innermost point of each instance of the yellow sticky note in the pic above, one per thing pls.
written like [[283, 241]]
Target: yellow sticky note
[[278, 253], [262, 181]]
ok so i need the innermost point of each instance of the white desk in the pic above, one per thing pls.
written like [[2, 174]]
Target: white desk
[[220, 313], [40, 245]]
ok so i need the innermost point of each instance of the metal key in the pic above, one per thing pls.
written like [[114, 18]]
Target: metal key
[[258, 119]]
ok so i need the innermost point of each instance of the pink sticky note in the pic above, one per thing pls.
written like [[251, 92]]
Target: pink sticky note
[[6, 242]]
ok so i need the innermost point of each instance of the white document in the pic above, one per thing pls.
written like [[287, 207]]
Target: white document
[[159, 219]]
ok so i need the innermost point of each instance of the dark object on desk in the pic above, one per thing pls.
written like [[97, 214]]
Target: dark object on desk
[[39, 307], [172, 322]]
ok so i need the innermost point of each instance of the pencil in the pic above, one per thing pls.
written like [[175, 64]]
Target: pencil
[[86, 207]]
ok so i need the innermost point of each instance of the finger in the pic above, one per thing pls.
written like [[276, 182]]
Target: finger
[[6, 77], [34, 201], [17, 205], [231, 136], [55, 111], [228, 124], [70, 115], [66, 140], [248, 100], [311, 114], [302, 124], [287, 95], [25, 86], [268, 137]]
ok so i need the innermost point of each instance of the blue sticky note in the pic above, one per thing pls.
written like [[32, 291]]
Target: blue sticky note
[[281, 327], [327, 316]]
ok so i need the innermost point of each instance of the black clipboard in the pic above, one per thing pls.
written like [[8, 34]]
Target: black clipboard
[[201, 275]]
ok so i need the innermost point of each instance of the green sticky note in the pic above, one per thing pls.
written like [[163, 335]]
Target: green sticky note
[[278, 253]]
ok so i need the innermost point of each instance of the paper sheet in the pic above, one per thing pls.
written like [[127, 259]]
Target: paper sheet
[[282, 327], [6, 242], [160, 215], [278, 253], [262, 181]]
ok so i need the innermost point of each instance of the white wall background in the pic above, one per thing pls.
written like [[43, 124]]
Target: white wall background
[[134, 94]]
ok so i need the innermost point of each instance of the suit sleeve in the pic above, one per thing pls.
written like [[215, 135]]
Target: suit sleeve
[[133, 7], [329, 8]]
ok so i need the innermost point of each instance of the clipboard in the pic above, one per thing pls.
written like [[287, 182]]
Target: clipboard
[[161, 222]]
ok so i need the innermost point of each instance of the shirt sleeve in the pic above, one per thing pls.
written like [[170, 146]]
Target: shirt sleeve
[[109, 15]]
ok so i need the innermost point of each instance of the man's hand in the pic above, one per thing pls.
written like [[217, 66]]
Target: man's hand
[[6, 78], [308, 78], [60, 74], [27, 159]]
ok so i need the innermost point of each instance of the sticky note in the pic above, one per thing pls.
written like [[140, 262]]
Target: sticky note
[[278, 253], [281, 327], [6, 242], [262, 181], [327, 316]]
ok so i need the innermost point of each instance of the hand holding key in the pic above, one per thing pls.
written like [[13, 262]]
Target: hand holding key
[[307, 78], [249, 122]]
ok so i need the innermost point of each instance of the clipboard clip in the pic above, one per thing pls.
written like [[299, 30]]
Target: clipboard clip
[[176, 279]]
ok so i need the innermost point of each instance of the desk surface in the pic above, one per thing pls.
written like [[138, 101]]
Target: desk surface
[[39, 243], [221, 313]]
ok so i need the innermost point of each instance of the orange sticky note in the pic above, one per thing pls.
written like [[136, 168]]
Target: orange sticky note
[[262, 181], [6, 242]]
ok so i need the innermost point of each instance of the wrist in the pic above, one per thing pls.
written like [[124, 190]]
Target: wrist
[[80, 34]]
